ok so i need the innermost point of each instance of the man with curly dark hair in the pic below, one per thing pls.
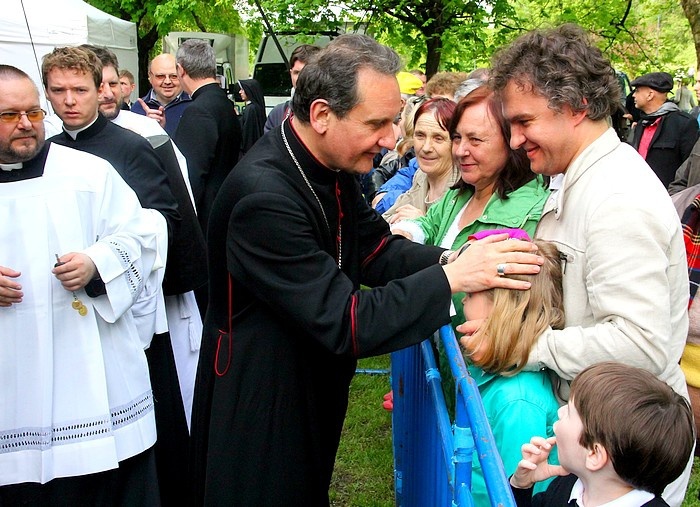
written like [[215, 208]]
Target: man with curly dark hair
[[625, 274]]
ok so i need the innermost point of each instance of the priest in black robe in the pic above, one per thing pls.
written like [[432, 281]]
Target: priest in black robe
[[290, 242]]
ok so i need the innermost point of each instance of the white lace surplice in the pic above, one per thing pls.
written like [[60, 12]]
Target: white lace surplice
[[74, 390]]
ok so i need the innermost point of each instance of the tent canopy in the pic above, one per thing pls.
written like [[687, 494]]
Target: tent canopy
[[29, 29]]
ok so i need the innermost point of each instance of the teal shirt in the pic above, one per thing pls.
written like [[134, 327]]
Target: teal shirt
[[518, 408]]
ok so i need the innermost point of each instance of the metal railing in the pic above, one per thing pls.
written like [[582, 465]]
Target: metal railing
[[432, 456]]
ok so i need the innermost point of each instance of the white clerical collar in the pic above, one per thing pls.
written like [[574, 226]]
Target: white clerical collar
[[11, 167], [74, 133], [634, 498]]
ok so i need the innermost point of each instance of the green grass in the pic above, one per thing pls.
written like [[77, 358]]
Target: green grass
[[691, 495], [364, 470]]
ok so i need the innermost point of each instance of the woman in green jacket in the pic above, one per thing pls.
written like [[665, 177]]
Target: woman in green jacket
[[496, 189]]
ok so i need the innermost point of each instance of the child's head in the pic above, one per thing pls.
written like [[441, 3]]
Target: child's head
[[514, 319], [644, 427]]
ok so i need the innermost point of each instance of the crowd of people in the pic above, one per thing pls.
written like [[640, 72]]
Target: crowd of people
[[188, 290]]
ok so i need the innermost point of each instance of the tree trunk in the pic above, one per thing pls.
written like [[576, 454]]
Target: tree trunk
[[433, 45], [692, 12], [145, 45]]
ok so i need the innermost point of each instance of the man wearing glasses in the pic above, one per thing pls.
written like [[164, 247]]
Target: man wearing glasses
[[77, 422], [166, 101]]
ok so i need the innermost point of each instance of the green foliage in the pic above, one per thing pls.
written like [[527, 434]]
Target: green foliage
[[637, 35], [217, 16]]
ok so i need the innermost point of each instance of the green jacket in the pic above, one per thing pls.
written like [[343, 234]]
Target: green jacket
[[522, 209]]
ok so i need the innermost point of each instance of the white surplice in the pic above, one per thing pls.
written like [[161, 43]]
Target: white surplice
[[75, 394]]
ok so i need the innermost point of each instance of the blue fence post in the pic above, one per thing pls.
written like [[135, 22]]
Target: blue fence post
[[473, 416], [422, 479], [432, 459]]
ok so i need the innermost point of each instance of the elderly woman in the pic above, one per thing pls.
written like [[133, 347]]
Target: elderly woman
[[436, 169]]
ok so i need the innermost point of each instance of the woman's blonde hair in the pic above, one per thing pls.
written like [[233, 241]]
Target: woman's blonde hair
[[519, 317], [409, 111]]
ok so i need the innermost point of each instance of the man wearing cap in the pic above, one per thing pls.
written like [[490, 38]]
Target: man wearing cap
[[665, 135], [408, 84]]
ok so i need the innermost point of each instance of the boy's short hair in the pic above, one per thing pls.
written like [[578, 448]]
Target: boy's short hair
[[644, 425]]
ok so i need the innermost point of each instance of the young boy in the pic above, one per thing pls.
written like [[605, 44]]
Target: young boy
[[624, 433]]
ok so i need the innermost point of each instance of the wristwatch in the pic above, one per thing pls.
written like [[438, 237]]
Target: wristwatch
[[445, 256]]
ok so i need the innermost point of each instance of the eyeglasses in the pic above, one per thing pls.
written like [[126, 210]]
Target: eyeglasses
[[161, 77], [14, 116]]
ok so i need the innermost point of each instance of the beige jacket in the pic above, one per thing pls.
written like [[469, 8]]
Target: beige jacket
[[416, 195], [626, 278]]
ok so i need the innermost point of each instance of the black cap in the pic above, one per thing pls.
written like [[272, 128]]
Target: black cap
[[659, 81]]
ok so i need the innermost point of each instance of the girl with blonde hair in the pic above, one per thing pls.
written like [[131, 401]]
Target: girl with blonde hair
[[516, 318], [518, 403]]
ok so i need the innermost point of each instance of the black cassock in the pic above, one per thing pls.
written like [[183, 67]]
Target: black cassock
[[267, 422]]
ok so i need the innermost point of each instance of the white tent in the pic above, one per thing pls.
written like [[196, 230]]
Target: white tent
[[29, 29]]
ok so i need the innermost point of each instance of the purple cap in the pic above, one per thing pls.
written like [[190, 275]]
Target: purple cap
[[512, 233]]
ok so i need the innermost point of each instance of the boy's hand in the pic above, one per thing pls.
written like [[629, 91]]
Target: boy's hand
[[534, 466], [468, 328]]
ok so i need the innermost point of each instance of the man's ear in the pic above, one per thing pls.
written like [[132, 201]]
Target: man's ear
[[320, 115], [179, 70], [580, 115], [597, 457]]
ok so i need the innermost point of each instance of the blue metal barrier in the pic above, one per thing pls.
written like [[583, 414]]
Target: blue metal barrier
[[432, 458]]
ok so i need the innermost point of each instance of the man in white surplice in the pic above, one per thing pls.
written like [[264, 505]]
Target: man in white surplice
[[74, 386]]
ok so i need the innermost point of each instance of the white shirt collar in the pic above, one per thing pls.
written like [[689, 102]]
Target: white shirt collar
[[634, 498], [11, 167], [74, 133]]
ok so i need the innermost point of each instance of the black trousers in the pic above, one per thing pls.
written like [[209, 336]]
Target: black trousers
[[133, 484], [171, 449]]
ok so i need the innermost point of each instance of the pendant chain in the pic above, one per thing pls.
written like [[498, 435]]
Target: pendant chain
[[308, 184]]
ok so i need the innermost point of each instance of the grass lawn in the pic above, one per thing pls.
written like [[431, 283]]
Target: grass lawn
[[364, 469]]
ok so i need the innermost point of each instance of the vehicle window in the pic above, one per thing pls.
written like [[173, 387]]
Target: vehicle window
[[274, 79]]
